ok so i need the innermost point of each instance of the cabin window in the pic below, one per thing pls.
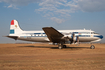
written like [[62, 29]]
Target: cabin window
[[40, 35], [32, 35], [44, 35], [36, 35]]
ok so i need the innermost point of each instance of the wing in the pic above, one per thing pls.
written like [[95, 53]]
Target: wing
[[53, 34]]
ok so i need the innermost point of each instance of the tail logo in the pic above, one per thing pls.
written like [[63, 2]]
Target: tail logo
[[16, 26], [12, 31], [12, 22]]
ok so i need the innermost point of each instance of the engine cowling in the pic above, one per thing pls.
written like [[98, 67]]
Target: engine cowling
[[75, 39], [71, 39]]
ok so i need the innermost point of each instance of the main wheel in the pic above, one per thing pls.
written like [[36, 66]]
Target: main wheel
[[64, 46], [60, 46], [92, 47]]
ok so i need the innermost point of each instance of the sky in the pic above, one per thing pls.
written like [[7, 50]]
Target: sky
[[60, 14]]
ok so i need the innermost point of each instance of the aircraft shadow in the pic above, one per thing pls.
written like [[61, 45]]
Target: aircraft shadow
[[55, 47], [72, 48]]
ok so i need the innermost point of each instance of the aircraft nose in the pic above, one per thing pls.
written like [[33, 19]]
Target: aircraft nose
[[101, 36]]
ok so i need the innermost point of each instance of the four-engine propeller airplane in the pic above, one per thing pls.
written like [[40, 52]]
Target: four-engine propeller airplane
[[49, 34]]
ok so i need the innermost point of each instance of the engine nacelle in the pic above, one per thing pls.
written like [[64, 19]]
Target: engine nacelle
[[75, 39], [71, 39]]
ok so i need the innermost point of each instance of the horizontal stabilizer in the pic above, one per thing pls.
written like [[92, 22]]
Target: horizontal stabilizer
[[14, 37]]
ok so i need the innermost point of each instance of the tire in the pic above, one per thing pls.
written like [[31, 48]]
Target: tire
[[64, 46], [60, 46], [92, 47]]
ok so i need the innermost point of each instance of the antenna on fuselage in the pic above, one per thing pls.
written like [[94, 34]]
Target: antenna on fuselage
[[84, 29]]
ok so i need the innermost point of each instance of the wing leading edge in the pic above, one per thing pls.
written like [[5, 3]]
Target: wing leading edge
[[53, 35]]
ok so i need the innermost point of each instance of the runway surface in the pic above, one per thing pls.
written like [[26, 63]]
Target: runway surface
[[49, 57]]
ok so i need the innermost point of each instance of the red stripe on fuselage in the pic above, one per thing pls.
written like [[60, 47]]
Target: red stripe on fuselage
[[12, 22]]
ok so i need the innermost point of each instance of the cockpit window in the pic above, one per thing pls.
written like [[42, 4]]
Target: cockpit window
[[84, 32], [93, 33], [96, 33]]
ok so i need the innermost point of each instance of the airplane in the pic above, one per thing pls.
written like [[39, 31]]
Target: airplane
[[49, 34]]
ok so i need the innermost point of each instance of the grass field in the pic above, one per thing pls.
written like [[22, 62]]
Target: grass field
[[49, 57]]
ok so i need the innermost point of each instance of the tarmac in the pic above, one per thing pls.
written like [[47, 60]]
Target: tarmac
[[49, 57]]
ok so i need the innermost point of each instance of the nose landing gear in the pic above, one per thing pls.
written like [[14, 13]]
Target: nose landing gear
[[92, 47]]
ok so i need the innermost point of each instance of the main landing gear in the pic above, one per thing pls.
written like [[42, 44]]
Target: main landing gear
[[61, 46]]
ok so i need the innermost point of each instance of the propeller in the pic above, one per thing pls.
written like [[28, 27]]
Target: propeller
[[71, 40], [75, 39]]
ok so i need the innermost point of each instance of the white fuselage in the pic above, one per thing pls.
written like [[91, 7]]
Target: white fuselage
[[40, 36]]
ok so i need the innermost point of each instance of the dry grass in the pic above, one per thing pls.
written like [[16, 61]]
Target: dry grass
[[49, 57]]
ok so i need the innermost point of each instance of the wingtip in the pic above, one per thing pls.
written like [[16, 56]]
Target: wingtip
[[47, 27], [4, 36]]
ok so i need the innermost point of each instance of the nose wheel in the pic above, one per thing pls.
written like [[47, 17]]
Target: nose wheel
[[92, 47]]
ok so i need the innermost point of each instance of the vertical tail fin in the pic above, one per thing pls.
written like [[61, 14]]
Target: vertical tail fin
[[14, 28]]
